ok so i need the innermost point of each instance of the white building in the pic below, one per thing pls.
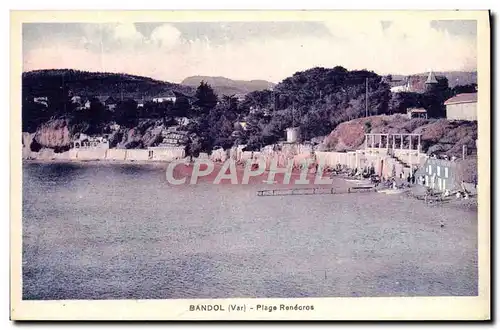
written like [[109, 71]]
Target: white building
[[416, 113], [41, 100], [399, 89], [165, 97], [462, 107], [90, 142]]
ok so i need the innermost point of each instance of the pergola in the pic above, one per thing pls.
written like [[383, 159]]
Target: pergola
[[402, 141]]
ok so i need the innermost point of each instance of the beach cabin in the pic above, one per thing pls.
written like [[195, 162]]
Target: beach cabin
[[438, 174]]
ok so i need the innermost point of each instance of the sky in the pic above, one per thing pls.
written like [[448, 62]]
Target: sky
[[251, 50]]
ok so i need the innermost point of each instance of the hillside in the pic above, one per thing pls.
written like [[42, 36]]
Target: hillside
[[117, 85], [437, 135], [455, 78], [225, 86]]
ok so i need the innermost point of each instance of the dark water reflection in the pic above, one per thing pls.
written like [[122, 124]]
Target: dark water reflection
[[101, 231]]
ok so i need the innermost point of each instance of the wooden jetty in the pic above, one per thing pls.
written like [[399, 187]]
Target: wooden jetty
[[312, 191]]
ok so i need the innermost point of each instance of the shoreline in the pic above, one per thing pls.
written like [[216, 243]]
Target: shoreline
[[261, 181]]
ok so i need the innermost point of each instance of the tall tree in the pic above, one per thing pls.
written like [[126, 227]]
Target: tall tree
[[126, 113], [206, 97]]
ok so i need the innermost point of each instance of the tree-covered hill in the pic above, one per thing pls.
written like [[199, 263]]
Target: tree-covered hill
[[317, 100], [88, 84]]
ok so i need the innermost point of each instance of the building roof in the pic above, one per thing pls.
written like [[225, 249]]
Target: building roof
[[421, 110], [431, 78], [418, 83], [462, 98], [105, 99], [165, 94]]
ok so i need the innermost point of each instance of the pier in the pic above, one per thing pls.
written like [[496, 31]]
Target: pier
[[313, 191]]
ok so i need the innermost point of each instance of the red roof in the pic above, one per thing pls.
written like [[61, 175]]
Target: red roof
[[462, 98]]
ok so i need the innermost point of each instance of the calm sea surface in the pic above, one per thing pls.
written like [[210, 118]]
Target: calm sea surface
[[93, 231]]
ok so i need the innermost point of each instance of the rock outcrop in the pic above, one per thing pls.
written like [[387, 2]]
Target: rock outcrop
[[437, 135], [53, 134]]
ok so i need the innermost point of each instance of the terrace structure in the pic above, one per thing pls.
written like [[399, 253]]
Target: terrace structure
[[402, 148]]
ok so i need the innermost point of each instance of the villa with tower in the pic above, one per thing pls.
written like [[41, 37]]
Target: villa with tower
[[418, 83]]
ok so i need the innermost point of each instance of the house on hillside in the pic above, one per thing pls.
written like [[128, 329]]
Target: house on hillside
[[44, 100], [239, 97], [462, 107], [90, 142], [416, 113], [110, 103], [418, 83], [81, 102], [168, 96], [140, 102]]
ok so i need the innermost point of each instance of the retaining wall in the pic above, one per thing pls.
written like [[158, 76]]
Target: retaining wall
[[63, 155], [116, 154], [166, 154], [73, 154], [91, 154], [137, 154]]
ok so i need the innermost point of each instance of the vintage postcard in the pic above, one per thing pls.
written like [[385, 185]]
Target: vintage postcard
[[250, 165]]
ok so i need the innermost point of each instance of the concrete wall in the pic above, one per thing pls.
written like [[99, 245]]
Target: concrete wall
[[73, 154], [137, 154], [91, 154], [166, 154], [116, 154], [331, 159], [63, 155], [461, 111]]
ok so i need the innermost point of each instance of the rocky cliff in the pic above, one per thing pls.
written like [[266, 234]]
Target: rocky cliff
[[57, 134], [54, 134]]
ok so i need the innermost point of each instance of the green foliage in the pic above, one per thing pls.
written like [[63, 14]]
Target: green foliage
[[126, 113], [206, 97], [83, 83], [317, 100]]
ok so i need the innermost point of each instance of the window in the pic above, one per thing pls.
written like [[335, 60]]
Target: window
[[439, 171], [429, 169], [446, 172]]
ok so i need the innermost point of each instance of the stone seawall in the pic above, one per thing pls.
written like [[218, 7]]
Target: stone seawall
[[91, 154], [167, 155], [116, 154], [384, 164], [137, 154]]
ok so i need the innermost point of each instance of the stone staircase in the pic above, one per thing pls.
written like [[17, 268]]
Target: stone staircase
[[406, 166]]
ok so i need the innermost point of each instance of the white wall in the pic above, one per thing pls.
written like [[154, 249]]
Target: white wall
[[63, 155], [461, 111], [116, 154], [167, 154], [136, 154], [91, 154]]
